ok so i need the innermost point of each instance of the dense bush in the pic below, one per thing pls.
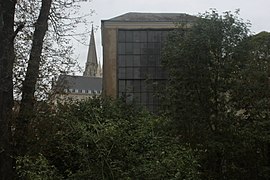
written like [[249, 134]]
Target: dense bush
[[103, 139]]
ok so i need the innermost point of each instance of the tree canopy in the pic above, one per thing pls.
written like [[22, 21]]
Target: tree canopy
[[217, 94], [214, 120], [103, 139]]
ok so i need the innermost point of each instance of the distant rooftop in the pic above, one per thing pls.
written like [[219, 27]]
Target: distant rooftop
[[153, 17]]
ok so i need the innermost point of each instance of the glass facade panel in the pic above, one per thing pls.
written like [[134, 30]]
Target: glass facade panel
[[137, 48], [143, 36], [144, 60], [150, 98], [136, 36], [121, 61], [143, 72], [129, 86], [137, 86], [150, 36], [143, 86], [122, 86], [136, 61], [129, 60], [152, 60], [122, 36], [129, 36], [151, 73], [139, 65], [144, 49], [121, 48], [129, 48], [121, 73], [129, 73], [144, 98], [136, 74]]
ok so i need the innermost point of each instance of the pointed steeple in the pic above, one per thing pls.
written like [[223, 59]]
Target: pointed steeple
[[91, 65], [99, 70]]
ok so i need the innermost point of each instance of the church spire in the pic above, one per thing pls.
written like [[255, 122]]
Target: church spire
[[91, 65], [99, 70]]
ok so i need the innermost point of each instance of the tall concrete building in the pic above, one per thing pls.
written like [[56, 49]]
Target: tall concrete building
[[132, 46]]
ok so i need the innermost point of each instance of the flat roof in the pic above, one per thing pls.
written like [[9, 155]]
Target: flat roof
[[153, 17]]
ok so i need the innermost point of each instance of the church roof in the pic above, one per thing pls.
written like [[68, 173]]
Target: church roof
[[153, 17], [80, 82]]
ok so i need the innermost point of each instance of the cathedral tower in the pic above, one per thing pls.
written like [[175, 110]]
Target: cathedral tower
[[91, 67]]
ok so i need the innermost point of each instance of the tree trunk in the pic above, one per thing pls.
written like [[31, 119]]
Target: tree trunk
[[7, 34], [28, 89]]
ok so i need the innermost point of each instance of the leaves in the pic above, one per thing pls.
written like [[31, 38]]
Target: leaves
[[218, 94], [105, 139]]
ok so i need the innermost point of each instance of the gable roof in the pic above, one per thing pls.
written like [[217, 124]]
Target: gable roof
[[153, 17], [80, 82]]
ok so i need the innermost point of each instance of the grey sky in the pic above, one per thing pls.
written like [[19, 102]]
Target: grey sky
[[256, 11]]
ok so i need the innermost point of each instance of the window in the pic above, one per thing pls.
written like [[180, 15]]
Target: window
[[121, 86], [136, 36], [129, 48], [129, 36], [137, 86], [137, 48], [129, 86], [136, 61], [144, 60], [121, 36], [136, 73], [121, 61], [121, 73], [139, 65], [121, 48], [129, 60], [129, 73]]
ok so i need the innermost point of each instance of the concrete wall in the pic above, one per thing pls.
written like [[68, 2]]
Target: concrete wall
[[109, 41]]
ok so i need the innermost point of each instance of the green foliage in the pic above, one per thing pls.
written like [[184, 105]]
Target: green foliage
[[218, 95], [37, 168], [201, 66], [105, 139]]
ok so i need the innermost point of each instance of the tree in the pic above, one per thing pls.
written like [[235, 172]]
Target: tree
[[48, 28], [10, 19], [27, 102], [260, 46], [218, 94], [200, 61], [7, 34], [104, 139], [57, 53]]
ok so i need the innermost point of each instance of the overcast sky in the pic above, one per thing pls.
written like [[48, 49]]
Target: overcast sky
[[256, 11]]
